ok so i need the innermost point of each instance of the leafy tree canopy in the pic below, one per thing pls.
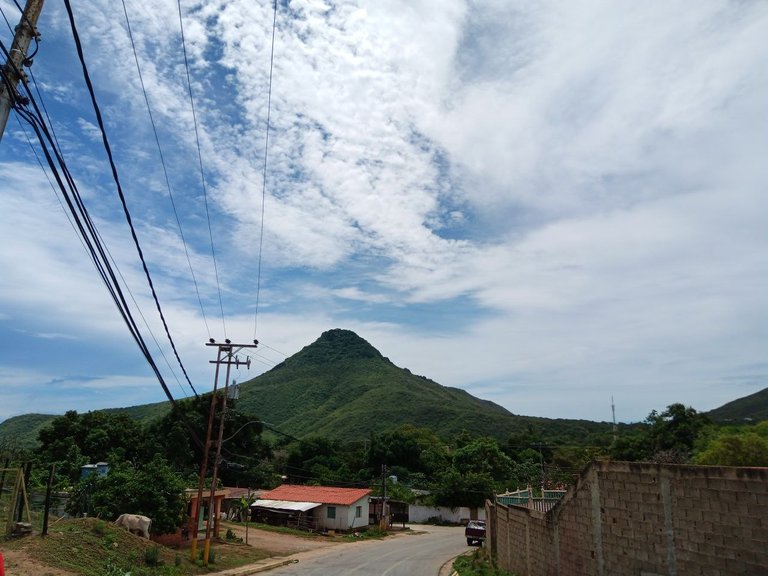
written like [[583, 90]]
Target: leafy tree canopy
[[152, 490], [75, 439], [243, 449], [740, 446]]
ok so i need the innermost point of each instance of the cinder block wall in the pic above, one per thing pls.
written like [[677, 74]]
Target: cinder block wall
[[641, 518]]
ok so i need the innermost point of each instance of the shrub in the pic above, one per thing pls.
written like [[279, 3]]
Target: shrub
[[152, 556]]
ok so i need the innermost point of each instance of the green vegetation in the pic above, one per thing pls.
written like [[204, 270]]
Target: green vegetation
[[374, 533], [752, 408], [340, 387], [355, 412], [92, 547], [680, 435], [21, 432], [734, 446], [151, 489], [479, 563]]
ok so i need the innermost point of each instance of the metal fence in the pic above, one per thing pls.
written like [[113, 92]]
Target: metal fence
[[526, 499]]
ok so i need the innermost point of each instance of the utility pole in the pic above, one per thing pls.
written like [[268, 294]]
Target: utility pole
[[383, 519], [226, 356], [17, 59]]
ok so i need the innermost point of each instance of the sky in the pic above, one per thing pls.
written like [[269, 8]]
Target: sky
[[552, 205]]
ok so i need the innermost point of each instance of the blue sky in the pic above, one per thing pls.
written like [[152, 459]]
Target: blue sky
[[548, 204]]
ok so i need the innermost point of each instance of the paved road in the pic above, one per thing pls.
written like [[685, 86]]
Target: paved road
[[419, 554]]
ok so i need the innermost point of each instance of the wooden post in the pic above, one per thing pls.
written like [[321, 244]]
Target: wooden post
[[48, 500]]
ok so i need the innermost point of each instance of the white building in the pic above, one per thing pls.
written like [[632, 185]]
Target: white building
[[315, 507]]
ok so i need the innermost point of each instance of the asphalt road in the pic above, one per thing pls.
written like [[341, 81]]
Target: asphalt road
[[419, 554]]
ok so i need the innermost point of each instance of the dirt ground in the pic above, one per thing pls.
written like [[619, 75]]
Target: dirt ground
[[278, 544], [19, 563]]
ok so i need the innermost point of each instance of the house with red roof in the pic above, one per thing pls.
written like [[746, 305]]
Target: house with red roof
[[313, 507]]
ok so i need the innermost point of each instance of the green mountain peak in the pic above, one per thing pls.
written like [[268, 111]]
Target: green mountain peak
[[333, 347]]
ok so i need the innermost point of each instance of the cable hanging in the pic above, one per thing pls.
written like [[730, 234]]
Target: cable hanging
[[165, 169], [202, 172], [108, 149], [264, 171]]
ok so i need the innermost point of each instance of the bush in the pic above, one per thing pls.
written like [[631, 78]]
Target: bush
[[232, 537], [152, 556], [477, 564]]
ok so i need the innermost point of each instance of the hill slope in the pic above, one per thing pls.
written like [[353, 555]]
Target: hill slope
[[754, 406], [342, 387]]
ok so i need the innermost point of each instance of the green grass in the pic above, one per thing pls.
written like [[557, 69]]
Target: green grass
[[375, 533], [92, 547], [278, 529], [477, 564]]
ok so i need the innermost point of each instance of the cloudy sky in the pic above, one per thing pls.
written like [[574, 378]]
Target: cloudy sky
[[546, 203]]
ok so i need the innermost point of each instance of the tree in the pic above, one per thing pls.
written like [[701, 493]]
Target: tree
[[673, 432], [741, 446], [456, 489], [668, 436], [483, 456], [409, 449], [152, 490], [75, 439], [243, 448]]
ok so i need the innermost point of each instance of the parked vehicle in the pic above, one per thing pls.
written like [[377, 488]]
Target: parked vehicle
[[475, 532]]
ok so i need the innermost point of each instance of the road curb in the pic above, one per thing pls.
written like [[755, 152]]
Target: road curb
[[255, 568], [447, 568]]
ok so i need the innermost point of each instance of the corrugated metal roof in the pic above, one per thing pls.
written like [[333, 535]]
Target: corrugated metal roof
[[323, 494], [285, 505]]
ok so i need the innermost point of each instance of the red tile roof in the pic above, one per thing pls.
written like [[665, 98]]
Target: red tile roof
[[321, 494]]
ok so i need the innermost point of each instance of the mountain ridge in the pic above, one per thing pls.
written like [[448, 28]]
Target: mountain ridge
[[343, 387]]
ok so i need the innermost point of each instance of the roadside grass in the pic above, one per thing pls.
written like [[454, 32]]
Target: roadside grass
[[477, 564], [369, 534], [278, 529], [93, 547], [366, 533]]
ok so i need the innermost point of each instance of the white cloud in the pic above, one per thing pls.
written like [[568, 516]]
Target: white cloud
[[570, 195]]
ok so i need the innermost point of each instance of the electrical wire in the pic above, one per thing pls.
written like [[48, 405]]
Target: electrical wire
[[264, 171], [202, 171], [115, 177], [71, 223], [81, 218], [165, 169], [6, 20]]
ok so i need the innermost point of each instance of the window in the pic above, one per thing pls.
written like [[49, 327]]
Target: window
[[359, 512], [331, 512]]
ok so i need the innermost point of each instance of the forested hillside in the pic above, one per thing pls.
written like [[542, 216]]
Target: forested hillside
[[343, 388]]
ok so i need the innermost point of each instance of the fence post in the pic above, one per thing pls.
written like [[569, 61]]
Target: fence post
[[47, 500]]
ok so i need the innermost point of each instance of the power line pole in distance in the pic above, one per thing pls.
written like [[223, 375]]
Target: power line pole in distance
[[13, 70], [226, 356]]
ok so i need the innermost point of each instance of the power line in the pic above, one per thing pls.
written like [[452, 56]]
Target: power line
[[71, 223], [202, 172], [165, 171], [264, 171], [108, 150], [84, 225]]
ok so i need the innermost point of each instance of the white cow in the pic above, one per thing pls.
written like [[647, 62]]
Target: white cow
[[135, 523]]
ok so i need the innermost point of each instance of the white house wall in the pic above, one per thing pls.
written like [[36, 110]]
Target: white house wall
[[422, 514], [346, 518]]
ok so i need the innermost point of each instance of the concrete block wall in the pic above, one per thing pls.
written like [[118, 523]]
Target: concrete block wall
[[641, 518]]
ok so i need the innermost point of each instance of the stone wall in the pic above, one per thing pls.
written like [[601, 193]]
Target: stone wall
[[644, 519]]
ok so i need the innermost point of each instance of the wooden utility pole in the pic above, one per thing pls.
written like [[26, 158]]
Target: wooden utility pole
[[13, 70], [227, 356]]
